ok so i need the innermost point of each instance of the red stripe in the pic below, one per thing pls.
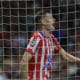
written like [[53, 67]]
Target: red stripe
[[46, 76], [39, 60], [29, 51], [56, 43], [56, 51], [46, 52]]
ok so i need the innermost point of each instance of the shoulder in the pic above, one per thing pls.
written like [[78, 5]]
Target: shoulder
[[36, 34], [54, 38], [52, 35]]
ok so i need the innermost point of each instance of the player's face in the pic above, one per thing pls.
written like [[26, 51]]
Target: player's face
[[48, 22]]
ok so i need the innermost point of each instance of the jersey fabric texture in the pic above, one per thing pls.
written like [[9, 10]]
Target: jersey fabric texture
[[42, 49]]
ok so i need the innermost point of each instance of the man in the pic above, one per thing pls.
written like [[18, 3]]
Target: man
[[36, 61]]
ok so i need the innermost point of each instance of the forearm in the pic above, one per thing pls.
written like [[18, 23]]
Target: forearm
[[69, 57], [72, 58], [24, 65], [24, 69]]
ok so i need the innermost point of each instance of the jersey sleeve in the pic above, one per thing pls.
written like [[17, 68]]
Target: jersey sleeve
[[33, 44], [56, 43]]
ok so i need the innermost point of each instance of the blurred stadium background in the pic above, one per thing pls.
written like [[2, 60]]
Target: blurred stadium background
[[17, 24]]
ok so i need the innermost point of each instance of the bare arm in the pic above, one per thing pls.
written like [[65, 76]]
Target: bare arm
[[24, 65], [67, 56]]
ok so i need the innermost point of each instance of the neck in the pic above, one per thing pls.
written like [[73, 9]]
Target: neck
[[46, 33]]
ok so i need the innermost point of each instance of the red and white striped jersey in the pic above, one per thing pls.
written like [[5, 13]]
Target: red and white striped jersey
[[41, 48]]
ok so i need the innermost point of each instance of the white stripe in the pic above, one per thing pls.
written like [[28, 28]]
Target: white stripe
[[37, 41], [42, 60], [29, 42], [36, 57], [51, 50], [40, 35], [46, 71]]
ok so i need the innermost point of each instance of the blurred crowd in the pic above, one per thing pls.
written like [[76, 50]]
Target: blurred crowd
[[17, 23]]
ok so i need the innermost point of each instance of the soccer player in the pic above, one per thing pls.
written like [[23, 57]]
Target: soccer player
[[37, 58]]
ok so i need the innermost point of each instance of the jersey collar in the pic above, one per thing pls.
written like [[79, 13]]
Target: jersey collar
[[43, 34]]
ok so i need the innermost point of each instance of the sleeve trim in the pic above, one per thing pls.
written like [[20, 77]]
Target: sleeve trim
[[29, 51]]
